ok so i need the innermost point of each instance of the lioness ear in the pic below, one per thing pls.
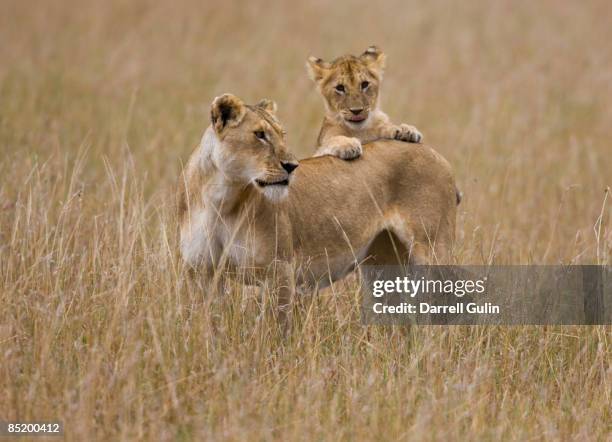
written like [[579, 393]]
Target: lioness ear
[[316, 68], [226, 110], [375, 58], [267, 105]]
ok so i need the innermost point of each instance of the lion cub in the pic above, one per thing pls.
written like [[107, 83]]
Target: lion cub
[[350, 86]]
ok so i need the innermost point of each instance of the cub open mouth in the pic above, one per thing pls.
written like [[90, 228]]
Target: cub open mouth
[[263, 183]]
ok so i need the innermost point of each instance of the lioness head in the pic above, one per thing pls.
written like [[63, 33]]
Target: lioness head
[[251, 148], [349, 84]]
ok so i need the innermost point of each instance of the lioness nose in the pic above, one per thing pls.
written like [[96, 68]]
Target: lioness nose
[[356, 111], [289, 167]]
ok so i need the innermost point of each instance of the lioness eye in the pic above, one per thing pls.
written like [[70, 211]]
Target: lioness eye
[[340, 88], [260, 134], [365, 84]]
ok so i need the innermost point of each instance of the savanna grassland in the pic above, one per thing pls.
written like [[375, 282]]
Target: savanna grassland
[[101, 103]]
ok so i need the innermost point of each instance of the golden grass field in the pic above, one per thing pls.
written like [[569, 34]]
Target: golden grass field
[[101, 103]]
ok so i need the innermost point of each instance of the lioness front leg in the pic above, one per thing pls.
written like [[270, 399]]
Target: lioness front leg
[[285, 282], [206, 280], [347, 148], [403, 132]]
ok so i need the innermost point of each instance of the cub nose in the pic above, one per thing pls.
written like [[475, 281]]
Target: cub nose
[[356, 111], [289, 167]]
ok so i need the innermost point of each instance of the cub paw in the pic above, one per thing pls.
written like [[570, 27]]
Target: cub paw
[[349, 151], [408, 133], [346, 149]]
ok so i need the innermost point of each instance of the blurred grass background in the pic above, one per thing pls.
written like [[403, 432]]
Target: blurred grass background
[[101, 102]]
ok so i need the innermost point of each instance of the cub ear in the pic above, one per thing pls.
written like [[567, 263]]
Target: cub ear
[[375, 58], [267, 105], [317, 68], [226, 110]]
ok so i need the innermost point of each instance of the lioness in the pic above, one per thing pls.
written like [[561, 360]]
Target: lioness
[[350, 85], [244, 203]]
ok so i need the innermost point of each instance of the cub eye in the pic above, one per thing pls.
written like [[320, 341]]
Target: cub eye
[[364, 85], [340, 88], [260, 134]]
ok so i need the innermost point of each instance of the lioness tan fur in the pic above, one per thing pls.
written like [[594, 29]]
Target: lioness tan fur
[[350, 88], [244, 204]]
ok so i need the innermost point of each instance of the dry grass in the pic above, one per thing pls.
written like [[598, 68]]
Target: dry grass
[[100, 102]]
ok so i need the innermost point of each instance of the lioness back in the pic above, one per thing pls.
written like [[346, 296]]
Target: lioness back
[[392, 180]]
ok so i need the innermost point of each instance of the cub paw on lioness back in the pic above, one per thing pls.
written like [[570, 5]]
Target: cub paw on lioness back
[[350, 87]]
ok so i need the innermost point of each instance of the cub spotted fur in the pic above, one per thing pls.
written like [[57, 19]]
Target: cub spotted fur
[[350, 87]]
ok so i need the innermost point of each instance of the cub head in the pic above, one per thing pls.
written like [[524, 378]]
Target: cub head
[[251, 145], [349, 84]]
